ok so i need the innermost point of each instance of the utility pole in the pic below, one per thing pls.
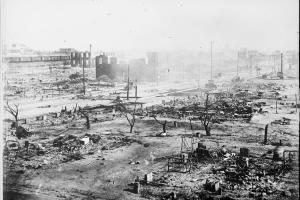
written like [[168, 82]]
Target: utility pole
[[128, 83], [199, 71], [90, 55], [83, 77], [274, 57], [135, 92], [237, 65], [211, 64]]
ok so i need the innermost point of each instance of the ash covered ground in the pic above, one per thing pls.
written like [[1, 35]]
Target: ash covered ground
[[176, 140]]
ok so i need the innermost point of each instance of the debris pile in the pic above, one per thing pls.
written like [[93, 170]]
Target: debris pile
[[259, 176], [283, 121], [21, 132]]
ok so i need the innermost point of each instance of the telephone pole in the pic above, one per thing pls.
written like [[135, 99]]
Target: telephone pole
[[237, 65], [199, 70], [274, 57], [135, 92], [128, 83], [211, 64], [83, 75], [90, 55]]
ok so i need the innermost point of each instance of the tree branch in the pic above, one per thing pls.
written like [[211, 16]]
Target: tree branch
[[12, 111], [157, 120]]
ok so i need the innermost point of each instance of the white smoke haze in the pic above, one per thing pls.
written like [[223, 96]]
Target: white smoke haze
[[141, 26]]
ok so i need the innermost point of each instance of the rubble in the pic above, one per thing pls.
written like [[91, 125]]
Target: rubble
[[148, 177], [12, 144], [211, 185], [283, 121], [21, 132], [237, 167]]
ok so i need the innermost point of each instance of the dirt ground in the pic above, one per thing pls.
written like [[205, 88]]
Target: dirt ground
[[108, 172]]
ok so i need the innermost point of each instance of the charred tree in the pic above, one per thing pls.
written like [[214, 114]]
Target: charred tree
[[128, 113], [207, 116], [74, 112], [191, 125], [266, 134], [164, 123], [14, 111], [75, 108], [87, 117]]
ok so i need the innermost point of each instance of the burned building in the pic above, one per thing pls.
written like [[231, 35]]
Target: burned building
[[152, 58], [86, 59], [105, 68], [80, 59], [74, 60]]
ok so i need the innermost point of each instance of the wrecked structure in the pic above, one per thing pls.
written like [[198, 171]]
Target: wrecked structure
[[104, 67]]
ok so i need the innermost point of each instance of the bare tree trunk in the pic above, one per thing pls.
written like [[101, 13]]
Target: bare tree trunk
[[164, 126], [88, 126], [13, 111], [175, 124], [191, 125], [131, 128], [17, 123], [207, 130], [266, 134]]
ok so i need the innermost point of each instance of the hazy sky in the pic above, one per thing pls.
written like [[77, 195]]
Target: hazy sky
[[152, 24]]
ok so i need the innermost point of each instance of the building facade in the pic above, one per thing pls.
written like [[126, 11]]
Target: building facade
[[102, 66], [80, 59]]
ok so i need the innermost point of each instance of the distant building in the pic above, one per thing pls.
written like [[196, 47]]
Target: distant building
[[86, 59], [152, 58], [104, 68], [18, 50], [102, 59], [67, 51], [80, 59], [243, 53], [19, 53], [74, 59], [292, 57]]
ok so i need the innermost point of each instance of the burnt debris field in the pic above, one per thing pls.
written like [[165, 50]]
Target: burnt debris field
[[236, 141]]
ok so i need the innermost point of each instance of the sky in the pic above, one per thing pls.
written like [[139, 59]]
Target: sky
[[144, 25]]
